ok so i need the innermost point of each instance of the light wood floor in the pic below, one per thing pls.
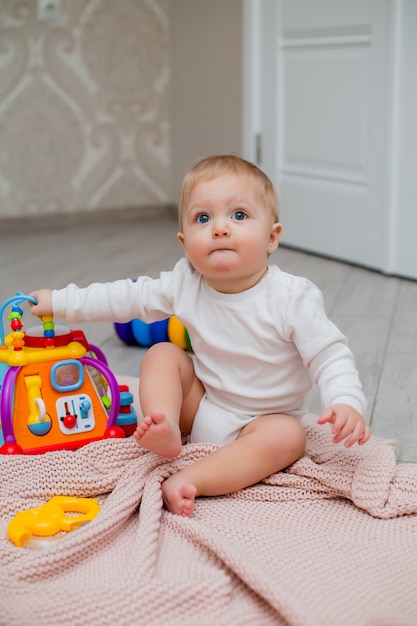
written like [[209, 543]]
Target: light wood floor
[[377, 313]]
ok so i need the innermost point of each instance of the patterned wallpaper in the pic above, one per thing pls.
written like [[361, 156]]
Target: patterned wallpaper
[[84, 121]]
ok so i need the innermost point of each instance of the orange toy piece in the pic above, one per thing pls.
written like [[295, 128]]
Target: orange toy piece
[[50, 518], [33, 426]]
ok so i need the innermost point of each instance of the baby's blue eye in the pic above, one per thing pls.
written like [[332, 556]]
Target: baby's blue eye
[[203, 218], [239, 215]]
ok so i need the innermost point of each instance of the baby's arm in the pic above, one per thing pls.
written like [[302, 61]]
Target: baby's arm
[[347, 424], [44, 305]]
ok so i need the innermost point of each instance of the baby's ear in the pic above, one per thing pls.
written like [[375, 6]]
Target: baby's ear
[[274, 237], [180, 237]]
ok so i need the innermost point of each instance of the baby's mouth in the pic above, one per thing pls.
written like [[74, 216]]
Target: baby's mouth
[[222, 249]]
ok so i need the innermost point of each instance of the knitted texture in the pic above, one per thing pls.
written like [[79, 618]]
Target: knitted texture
[[331, 541]]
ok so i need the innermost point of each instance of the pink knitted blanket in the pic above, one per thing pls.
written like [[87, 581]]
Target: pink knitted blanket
[[331, 541]]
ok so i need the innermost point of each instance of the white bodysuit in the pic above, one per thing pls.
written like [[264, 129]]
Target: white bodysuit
[[256, 352]]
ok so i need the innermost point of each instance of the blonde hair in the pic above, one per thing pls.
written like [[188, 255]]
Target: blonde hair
[[214, 166]]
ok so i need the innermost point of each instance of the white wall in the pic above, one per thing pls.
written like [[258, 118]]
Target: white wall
[[206, 81]]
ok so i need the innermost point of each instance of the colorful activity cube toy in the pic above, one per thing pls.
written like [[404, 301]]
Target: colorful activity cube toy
[[56, 389]]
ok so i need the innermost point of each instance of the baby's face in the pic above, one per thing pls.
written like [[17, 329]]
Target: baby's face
[[228, 233]]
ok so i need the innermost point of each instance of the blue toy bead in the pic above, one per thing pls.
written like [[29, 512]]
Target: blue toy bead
[[48, 334], [159, 331], [124, 332], [142, 332], [126, 398]]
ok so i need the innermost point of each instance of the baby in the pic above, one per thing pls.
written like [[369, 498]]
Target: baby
[[259, 337]]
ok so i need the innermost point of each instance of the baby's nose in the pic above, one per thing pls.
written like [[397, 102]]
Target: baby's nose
[[221, 228]]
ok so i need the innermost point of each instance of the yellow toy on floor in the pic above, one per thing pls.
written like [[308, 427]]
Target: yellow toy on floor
[[50, 518]]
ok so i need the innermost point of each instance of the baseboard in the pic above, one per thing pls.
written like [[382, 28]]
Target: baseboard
[[62, 220]]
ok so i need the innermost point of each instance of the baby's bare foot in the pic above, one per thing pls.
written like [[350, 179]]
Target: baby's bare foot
[[178, 497], [157, 434]]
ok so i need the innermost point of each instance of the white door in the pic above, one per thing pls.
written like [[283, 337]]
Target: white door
[[317, 119]]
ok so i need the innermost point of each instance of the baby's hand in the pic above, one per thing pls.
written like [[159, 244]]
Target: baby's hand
[[44, 305], [347, 424]]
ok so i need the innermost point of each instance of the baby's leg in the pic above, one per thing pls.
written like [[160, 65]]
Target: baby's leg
[[265, 446], [169, 395]]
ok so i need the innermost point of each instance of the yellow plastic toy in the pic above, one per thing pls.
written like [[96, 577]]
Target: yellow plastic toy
[[50, 518], [177, 333]]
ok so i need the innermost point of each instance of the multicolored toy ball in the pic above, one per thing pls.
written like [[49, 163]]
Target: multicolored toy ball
[[142, 334]]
